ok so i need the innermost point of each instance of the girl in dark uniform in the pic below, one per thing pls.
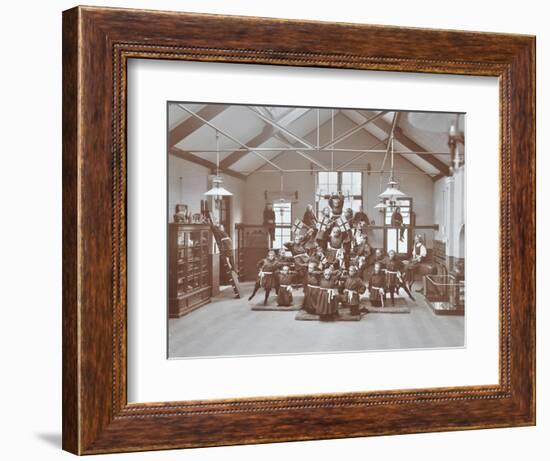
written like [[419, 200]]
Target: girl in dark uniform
[[226, 244], [336, 203], [284, 297], [327, 308], [300, 246], [362, 267], [377, 281], [299, 253], [311, 289], [269, 221], [360, 219], [353, 289], [318, 257], [347, 234], [397, 222], [335, 243], [394, 276], [266, 276], [361, 246], [309, 218], [377, 257], [324, 226]]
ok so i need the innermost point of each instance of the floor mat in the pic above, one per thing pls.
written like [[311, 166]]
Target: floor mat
[[276, 308], [342, 317], [389, 309]]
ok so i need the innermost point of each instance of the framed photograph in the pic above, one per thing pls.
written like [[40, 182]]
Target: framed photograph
[[281, 230]]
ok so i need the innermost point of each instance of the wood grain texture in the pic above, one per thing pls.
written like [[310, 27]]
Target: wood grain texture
[[97, 43], [70, 384]]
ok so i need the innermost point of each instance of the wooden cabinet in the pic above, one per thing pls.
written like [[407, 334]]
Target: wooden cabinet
[[189, 271]]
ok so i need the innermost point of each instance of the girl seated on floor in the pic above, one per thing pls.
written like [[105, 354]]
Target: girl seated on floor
[[311, 289], [327, 306], [353, 289]]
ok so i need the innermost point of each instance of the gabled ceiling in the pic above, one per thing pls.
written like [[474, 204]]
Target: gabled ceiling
[[250, 138]]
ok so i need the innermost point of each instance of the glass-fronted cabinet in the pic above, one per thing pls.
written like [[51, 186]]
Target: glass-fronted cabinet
[[189, 271]]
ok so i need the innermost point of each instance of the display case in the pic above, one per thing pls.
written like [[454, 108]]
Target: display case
[[189, 271]]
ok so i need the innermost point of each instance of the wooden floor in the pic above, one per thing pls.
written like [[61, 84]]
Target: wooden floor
[[229, 327]]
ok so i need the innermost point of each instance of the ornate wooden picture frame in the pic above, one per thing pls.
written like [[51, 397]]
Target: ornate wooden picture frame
[[97, 44]]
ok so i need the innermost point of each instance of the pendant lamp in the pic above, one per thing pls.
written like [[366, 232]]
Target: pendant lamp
[[217, 190], [392, 191]]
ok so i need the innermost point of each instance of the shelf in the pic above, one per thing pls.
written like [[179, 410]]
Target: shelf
[[189, 268]]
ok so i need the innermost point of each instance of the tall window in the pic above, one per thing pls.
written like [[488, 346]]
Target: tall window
[[398, 239], [348, 182], [283, 223]]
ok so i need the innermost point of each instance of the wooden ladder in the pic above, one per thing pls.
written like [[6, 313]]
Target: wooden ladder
[[231, 274]]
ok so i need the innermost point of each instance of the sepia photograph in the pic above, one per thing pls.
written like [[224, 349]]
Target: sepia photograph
[[301, 230], [289, 228]]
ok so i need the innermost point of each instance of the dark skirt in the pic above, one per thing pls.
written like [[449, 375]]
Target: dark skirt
[[226, 245], [375, 298], [350, 300], [392, 282], [284, 297], [328, 302], [267, 281], [311, 298]]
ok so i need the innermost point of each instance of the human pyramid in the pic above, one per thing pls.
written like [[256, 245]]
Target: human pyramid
[[334, 263]]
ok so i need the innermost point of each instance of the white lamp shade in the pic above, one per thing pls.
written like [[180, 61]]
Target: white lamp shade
[[391, 192], [380, 206], [218, 191]]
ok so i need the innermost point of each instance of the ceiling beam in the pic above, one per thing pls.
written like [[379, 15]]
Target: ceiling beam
[[385, 141], [412, 145], [279, 127], [301, 153], [267, 132], [192, 124], [310, 132], [184, 155], [353, 130], [256, 141]]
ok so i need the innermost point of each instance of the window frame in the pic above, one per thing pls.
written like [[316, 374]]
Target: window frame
[[339, 182], [280, 226], [391, 233]]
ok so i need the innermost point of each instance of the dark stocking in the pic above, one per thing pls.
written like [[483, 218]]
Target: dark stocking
[[404, 286], [256, 288], [266, 296]]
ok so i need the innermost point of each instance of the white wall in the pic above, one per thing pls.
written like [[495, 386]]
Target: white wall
[[189, 189], [449, 211], [31, 327], [412, 181], [194, 183]]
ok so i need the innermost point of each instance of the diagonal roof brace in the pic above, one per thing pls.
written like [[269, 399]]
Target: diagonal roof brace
[[232, 138]]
